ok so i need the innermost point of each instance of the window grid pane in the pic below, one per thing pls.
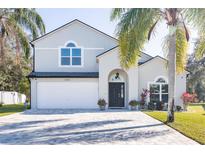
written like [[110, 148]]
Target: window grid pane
[[65, 52], [165, 98], [76, 52], [65, 60], [154, 98], [155, 88], [164, 88], [76, 61]]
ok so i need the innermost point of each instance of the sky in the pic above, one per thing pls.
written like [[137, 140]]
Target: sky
[[100, 19]]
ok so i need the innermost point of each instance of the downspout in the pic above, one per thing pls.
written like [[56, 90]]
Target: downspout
[[32, 45], [33, 70]]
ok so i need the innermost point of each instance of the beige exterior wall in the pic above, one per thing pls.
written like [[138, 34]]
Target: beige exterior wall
[[92, 42], [156, 67], [109, 62]]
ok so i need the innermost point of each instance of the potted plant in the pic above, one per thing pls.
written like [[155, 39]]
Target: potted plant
[[134, 104], [178, 108], [102, 104], [26, 103]]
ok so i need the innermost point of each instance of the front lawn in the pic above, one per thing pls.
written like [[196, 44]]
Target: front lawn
[[191, 124], [10, 109]]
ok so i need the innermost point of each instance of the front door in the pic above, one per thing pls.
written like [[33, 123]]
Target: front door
[[116, 94]]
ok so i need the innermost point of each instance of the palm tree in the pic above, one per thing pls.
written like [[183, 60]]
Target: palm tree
[[135, 27], [14, 26]]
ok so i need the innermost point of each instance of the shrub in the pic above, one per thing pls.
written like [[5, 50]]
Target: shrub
[[144, 95], [151, 106], [159, 105], [1, 104], [178, 108], [188, 98], [134, 103], [102, 102]]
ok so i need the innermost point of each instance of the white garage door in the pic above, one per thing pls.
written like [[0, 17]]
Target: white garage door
[[73, 94]]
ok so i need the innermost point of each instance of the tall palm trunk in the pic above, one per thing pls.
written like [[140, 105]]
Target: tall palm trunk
[[171, 73]]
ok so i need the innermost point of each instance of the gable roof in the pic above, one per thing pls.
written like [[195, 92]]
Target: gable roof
[[107, 51], [75, 20], [152, 59], [160, 58], [116, 47]]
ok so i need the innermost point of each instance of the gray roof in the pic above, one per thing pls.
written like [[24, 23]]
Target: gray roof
[[63, 75]]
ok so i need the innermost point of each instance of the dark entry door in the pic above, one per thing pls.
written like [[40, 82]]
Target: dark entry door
[[116, 94]]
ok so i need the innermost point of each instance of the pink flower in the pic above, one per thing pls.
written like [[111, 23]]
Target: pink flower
[[188, 98]]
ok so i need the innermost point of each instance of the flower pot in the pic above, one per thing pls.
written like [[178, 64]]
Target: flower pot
[[133, 108], [102, 108]]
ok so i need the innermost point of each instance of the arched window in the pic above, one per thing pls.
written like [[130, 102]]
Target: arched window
[[161, 80], [70, 45], [159, 90], [71, 55]]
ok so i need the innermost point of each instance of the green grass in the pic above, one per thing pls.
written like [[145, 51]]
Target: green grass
[[191, 124], [10, 109], [196, 107]]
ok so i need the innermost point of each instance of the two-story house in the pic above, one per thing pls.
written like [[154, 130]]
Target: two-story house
[[76, 64]]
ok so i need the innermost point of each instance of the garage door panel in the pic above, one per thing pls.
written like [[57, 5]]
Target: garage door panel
[[65, 95]]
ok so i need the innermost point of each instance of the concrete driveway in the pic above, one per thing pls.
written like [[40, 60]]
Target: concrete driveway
[[86, 127]]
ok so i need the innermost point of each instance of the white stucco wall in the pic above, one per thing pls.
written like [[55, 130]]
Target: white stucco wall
[[156, 67], [33, 84], [109, 62], [92, 42]]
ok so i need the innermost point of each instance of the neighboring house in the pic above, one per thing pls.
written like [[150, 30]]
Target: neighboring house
[[76, 64]]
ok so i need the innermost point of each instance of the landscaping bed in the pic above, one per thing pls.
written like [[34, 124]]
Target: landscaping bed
[[11, 109], [191, 124]]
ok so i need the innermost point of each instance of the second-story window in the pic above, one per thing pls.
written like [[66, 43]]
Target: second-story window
[[71, 55]]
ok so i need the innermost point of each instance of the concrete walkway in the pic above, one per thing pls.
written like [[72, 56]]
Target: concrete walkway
[[86, 127]]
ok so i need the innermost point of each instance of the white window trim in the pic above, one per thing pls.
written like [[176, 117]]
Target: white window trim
[[59, 56], [70, 41], [166, 80], [160, 87]]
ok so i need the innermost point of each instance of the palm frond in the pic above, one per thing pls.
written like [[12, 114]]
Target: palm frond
[[195, 17], [20, 37], [116, 13], [200, 47], [30, 19], [28, 25], [16, 25], [132, 31]]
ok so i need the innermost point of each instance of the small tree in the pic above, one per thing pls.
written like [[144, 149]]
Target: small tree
[[13, 76]]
